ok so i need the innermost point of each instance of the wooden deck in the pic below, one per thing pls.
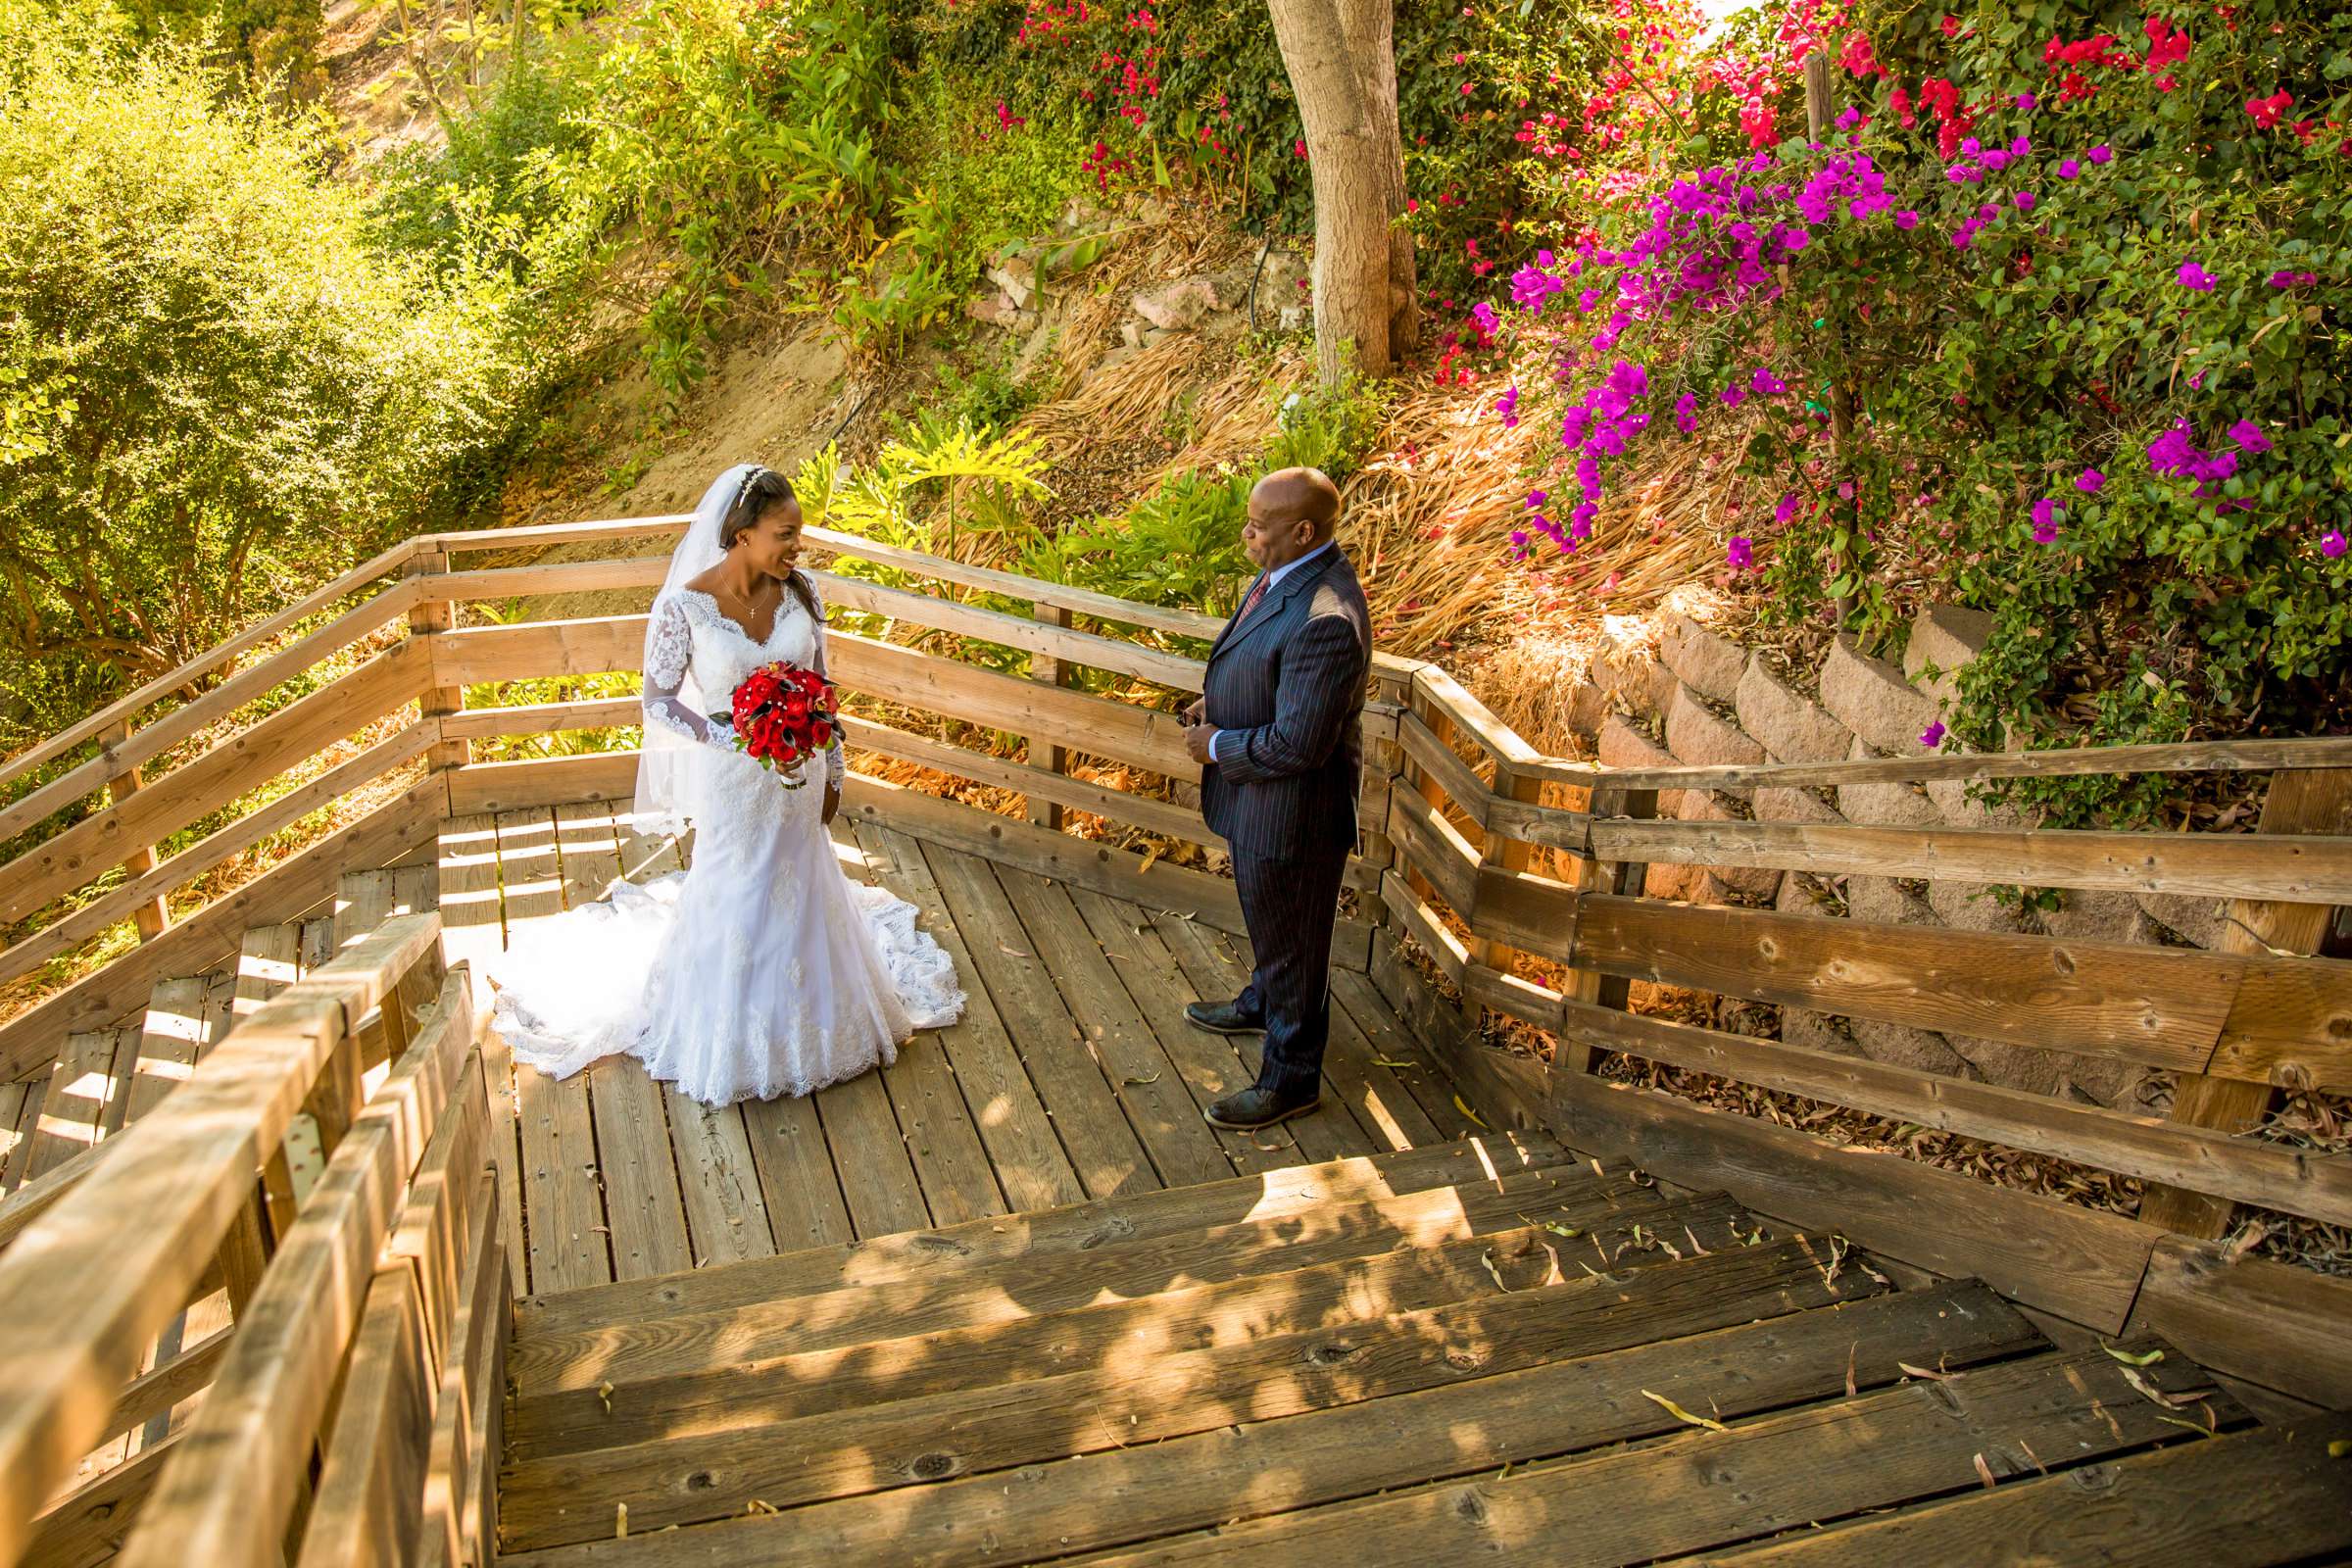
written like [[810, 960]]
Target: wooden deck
[[1072, 1076]]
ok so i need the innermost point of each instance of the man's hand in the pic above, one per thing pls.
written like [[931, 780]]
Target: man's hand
[[1195, 741], [1195, 711], [832, 800]]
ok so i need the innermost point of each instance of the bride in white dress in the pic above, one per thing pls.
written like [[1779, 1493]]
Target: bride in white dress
[[762, 970]]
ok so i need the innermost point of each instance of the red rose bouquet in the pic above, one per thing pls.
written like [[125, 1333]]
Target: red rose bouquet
[[783, 715]]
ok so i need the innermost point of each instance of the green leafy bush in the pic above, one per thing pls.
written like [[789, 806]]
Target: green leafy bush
[[216, 388]]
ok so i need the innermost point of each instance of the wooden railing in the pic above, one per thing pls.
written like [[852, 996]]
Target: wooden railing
[[1471, 808], [1476, 847], [361, 1368]]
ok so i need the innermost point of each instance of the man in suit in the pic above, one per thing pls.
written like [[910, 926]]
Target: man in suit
[[1279, 732]]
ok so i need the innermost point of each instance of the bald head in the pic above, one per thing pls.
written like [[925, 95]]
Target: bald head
[[1292, 511]]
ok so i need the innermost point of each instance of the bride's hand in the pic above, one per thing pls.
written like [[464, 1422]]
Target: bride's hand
[[832, 801]]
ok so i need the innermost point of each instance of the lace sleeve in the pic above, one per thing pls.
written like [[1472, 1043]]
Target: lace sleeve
[[836, 760], [668, 650]]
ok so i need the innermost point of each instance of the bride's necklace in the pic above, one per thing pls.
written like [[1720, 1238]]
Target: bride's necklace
[[751, 611]]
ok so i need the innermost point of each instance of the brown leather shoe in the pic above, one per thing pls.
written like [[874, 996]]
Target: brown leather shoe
[[1254, 1107]]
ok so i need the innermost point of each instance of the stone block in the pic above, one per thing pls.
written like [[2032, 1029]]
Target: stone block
[[1817, 1031], [1772, 804], [1801, 894], [1943, 638], [1901, 1046], [1697, 737], [1791, 727], [2083, 916], [1588, 707], [1662, 881], [1709, 664], [1725, 883], [1622, 743], [1177, 307], [1870, 698], [1016, 274], [1971, 907], [2198, 921], [1642, 683], [1881, 901], [1996, 1062], [1895, 805], [1951, 797]]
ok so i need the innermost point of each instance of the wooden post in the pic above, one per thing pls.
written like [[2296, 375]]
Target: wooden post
[[433, 616], [152, 916], [1042, 752], [1593, 875], [1510, 855], [2304, 801]]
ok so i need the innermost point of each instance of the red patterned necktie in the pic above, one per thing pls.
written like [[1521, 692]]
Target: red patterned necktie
[[1256, 594]]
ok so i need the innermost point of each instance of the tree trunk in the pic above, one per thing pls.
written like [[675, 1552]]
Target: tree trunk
[[1341, 59]]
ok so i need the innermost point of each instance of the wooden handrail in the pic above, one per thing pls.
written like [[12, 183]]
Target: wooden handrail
[[126, 1246], [203, 664]]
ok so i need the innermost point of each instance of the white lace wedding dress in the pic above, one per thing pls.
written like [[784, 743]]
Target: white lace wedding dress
[[762, 970]]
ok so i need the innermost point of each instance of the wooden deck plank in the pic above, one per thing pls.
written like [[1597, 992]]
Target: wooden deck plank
[[1030, 1165], [80, 1088], [1139, 1400], [1715, 1489], [798, 1186], [1227, 1315], [2244, 1500], [16, 1119], [1375, 1098], [565, 1224], [721, 1181], [473, 931], [644, 1205], [1218, 973], [869, 1151], [1390, 1037], [1144, 1079], [645, 855], [1101, 1228], [694, 1335], [1207, 1064], [1103, 1147], [1510, 1412]]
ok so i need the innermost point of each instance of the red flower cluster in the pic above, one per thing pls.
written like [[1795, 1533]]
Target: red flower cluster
[[784, 714]]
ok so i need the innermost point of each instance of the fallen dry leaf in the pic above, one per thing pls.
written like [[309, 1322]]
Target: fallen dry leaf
[[1680, 1414]]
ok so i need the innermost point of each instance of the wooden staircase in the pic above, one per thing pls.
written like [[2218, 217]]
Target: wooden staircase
[[1485, 1346]]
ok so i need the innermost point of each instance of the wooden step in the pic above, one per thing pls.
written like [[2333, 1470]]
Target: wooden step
[[716, 1466], [2248, 1500], [1529, 1395], [1708, 1490], [1081, 1227], [1227, 1313], [636, 1347]]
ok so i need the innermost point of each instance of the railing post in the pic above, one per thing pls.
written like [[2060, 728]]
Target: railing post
[[152, 916], [1047, 670], [2303, 801], [1374, 847], [428, 619]]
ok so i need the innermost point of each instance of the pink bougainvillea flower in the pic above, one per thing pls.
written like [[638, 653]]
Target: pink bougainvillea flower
[[2249, 437], [1685, 414], [1743, 553], [1484, 314], [2332, 544], [1733, 394], [2045, 520], [2026, 101], [2069, 169], [1786, 507], [2101, 153], [1933, 736], [2266, 110], [1298, 146], [2193, 277], [2289, 279], [1766, 383], [2090, 481], [1536, 498], [1906, 219], [2025, 200]]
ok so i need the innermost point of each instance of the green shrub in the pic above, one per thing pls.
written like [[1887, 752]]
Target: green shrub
[[216, 389]]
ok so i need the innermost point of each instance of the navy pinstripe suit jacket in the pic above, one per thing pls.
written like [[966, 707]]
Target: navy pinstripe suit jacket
[[1289, 682]]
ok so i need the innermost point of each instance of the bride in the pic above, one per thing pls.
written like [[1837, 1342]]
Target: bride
[[762, 970]]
